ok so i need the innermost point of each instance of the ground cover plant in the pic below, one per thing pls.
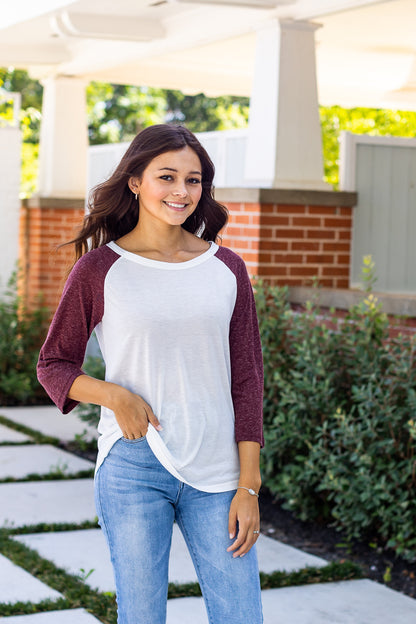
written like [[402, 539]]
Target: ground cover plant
[[340, 433]]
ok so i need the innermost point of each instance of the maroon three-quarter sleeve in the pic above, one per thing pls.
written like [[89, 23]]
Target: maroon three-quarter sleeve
[[245, 354], [80, 310]]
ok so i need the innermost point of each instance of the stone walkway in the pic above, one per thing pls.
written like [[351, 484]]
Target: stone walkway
[[83, 553]]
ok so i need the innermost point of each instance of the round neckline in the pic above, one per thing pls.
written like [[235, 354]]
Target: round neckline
[[161, 264]]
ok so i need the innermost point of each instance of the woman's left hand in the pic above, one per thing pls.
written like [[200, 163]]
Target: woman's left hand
[[244, 514]]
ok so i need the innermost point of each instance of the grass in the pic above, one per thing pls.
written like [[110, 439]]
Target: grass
[[53, 475], [38, 438]]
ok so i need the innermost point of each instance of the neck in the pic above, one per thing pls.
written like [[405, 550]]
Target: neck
[[156, 237], [159, 236]]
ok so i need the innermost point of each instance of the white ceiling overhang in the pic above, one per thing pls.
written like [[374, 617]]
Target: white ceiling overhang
[[366, 49]]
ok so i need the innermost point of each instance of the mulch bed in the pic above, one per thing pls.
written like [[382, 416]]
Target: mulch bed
[[323, 541]]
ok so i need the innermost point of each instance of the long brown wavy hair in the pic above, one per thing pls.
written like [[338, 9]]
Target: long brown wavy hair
[[113, 210]]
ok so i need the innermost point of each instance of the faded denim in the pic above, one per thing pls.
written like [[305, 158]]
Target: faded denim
[[137, 502]]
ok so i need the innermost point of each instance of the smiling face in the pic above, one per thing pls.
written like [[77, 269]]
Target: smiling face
[[170, 187]]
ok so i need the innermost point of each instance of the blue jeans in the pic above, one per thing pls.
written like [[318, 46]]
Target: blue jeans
[[137, 502]]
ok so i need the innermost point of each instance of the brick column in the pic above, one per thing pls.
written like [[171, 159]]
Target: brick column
[[291, 237], [46, 223]]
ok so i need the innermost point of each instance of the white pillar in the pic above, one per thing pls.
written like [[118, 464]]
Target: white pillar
[[285, 141], [63, 139]]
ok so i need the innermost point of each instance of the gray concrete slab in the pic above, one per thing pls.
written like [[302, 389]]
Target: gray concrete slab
[[10, 435], [79, 552], [18, 585], [20, 461], [348, 602], [71, 616], [50, 421], [46, 501]]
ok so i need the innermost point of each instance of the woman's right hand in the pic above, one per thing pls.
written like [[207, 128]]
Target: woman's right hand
[[133, 414]]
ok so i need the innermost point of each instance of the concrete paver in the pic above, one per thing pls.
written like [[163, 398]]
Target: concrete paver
[[10, 435], [50, 421], [87, 550], [18, 585], [347, 602], [77, 552], [34, 502], [71, 616], [20, 461]]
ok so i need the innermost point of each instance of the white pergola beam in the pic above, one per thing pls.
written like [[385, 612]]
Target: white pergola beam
[[14, 12], [253, 4], [113, 27], [22, 55], [305, 9]]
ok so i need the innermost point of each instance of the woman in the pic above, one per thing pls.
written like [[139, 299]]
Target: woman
[[181, 417]]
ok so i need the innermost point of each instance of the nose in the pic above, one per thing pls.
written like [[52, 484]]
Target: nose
[[180, 189]]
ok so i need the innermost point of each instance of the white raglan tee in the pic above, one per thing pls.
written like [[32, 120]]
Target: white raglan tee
[[184, 337]]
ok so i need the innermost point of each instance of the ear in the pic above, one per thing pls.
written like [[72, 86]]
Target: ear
[[134, 184]]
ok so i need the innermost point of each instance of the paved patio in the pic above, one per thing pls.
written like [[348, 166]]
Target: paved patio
[[83, 552]]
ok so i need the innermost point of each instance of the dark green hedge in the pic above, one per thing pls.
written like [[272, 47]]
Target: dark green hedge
[[22, 331], [340, 424]]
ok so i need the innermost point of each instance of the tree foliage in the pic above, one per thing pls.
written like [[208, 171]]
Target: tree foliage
[[31, 92], [203, 114], [373, 121], [19, 81], [118, 112]]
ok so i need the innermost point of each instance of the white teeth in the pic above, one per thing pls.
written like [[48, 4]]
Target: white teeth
[[175, 205]]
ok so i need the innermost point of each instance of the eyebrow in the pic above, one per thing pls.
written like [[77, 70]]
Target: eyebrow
[[176, 171]]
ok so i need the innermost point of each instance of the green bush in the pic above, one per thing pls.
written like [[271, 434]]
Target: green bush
[[340, 425], [22, 332]]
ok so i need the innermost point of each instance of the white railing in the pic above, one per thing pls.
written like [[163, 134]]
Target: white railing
[[227, 149]]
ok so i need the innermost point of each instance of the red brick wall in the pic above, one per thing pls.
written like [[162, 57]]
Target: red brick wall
[[44, 225], [292, 244], [286, 237]]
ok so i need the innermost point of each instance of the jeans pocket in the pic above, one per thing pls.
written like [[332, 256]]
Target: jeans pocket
[[135, 441]]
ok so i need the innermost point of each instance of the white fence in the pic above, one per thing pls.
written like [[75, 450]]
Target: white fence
[[383, 172], [226, 148]]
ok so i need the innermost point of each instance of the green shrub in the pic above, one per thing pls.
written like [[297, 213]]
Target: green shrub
[[339, 410], [22, 332]]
